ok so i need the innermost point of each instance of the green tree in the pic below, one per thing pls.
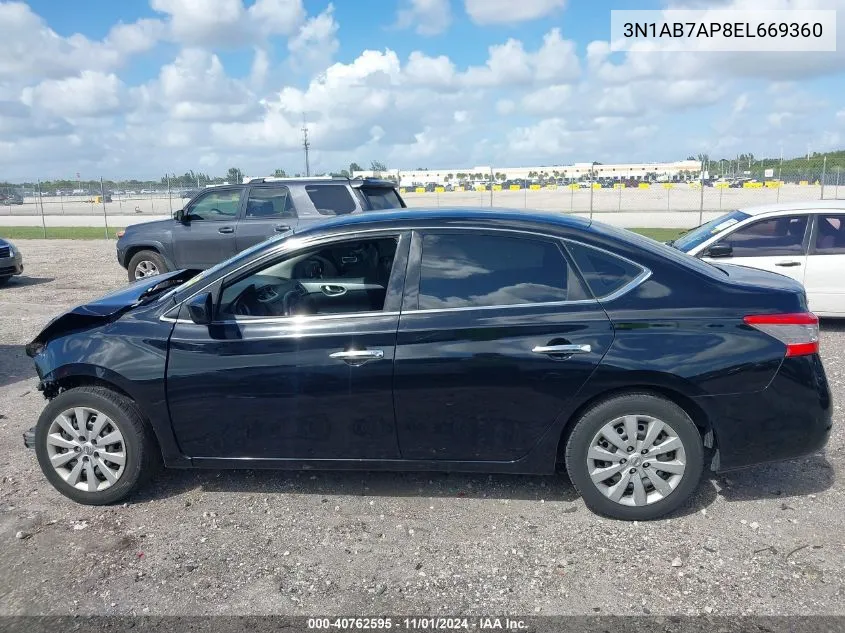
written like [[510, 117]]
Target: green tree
[[234, 175], [353, 167], [377, 167], [280, 173]]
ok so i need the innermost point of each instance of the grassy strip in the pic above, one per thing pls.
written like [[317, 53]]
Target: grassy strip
[[95, 233]]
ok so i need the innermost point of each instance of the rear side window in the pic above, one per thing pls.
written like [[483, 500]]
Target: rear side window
[[466, 270], [381, 198], [331, 199], [269, 202], [604, 273], [774, 236], [830, 235]]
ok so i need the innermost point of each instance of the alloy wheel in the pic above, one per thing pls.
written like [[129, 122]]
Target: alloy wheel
[[86, 449], [636, 460], [145, 268]]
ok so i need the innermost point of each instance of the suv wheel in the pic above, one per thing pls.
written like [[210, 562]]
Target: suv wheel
[[93, 445], [146, 264], [635, 456]]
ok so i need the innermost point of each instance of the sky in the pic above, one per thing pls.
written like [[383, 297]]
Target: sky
[[142, 88]]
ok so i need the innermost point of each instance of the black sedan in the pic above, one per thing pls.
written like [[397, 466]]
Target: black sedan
[[462, 340]]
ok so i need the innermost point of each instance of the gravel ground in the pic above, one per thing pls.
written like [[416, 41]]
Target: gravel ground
[[764, 541]]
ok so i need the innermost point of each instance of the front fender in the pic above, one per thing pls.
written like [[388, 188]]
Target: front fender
[[126, 249]]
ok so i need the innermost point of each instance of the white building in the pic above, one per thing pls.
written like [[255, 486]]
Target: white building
[[616, 171]]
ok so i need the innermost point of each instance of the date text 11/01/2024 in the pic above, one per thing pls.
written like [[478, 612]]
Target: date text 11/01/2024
[[721, 29], [418, 623]]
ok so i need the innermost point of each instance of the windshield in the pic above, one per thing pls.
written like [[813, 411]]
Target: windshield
[[206, 274], [381, 198], [702, 233]]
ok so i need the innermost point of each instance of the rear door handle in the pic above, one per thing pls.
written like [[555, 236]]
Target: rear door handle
[[357, 357], [787, 264], [562, 349], [281, 228], [225, 229]]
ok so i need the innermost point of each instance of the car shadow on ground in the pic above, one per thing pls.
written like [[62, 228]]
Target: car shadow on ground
[[15, 365], [795, 478], [24, 280]]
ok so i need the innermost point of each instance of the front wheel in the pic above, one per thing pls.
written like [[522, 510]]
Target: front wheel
[[146, 264], [93, 445], [635, 456]]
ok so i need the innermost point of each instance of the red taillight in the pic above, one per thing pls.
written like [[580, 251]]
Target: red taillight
[[798, 331]]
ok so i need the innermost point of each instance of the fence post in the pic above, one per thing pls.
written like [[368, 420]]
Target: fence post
[[41, 199], [105, 216], [824, 172], [169, 198], [591, 195], [836, 190]]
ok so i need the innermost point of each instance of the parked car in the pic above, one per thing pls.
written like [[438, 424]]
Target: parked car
[[11, 261], [802, 240], [10, 199], [221, 221], [392, 341]]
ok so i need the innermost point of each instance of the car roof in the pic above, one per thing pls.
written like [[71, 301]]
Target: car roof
[[808, 205], [409, 218]]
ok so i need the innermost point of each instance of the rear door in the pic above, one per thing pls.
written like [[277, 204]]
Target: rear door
[[496, 334], [268, 211], [207, 236], [775, 243], [824, 278]]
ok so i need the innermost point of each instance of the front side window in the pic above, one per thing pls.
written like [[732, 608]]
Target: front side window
[[478, 270], [269, 203], [782, 235], [216, 206], [830, 235], [331, 199], [338, 278]]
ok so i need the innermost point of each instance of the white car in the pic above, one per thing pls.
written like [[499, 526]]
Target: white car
[[802, 240]]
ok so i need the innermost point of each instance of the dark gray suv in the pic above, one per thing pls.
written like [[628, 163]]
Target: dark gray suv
[[223, 220]]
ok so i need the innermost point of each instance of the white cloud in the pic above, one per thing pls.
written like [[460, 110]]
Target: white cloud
[[315, 45], [422, 70], [228, 23], [510, 64], [92, 93], [510, 11], [31, 50], [427, 17]]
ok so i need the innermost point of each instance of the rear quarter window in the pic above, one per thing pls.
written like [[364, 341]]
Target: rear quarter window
[[331, 199], [604, 272]]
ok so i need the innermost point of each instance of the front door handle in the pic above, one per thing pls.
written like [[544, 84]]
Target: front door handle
[[331, 290], [788, 263], [281, 228], [225, 229], [562, 349], [357, 357]]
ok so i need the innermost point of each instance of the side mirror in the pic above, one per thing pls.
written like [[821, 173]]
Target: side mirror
[[179, 215], [719, 250], [200, 309]]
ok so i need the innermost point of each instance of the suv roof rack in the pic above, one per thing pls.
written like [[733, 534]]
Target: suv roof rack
[[261, 179]]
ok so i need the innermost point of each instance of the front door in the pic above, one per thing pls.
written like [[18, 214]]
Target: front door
[[207, 234], [299, 362], [826, 266], [496, 335], [777, 244], [268, 211]]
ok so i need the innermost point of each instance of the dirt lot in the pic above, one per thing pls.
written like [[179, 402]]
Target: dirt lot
[[761, 541]]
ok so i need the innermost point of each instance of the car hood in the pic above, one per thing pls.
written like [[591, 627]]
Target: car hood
[[105, 309]]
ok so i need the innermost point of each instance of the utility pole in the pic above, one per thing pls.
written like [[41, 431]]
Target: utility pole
[[306, 145]]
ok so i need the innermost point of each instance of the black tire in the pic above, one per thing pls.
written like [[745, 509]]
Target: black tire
[[603, 412], [142, 455], [151, 257]]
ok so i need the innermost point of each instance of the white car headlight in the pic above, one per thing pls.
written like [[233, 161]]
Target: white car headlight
[[12, 249]]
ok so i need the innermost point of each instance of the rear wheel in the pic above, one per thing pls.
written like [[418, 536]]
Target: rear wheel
[[635, 456], [146, 264], [93, 445]]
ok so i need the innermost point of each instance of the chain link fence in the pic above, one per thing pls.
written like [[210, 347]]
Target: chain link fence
[[680, 201]]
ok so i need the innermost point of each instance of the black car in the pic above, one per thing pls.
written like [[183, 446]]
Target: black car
[[453, 340], [223, 220], [10, 199]]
